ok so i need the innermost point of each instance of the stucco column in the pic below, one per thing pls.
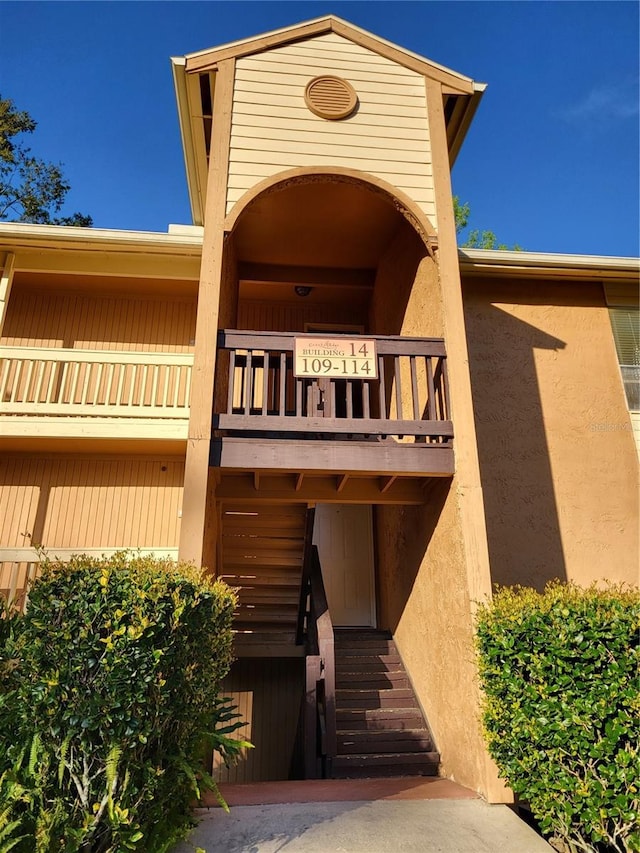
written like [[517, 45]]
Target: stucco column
[[467, 478]]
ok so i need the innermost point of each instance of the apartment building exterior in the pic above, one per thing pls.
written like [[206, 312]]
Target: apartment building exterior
[[313, 393]]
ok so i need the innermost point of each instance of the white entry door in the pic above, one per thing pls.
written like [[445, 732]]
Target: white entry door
[[344, 536]]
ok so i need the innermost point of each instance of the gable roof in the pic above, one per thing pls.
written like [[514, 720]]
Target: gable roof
[[461, 94], [205, 60]]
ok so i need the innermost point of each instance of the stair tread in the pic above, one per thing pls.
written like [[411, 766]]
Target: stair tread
[[362, 714], [401, 734], [354, 676], [387, 758], [374, 692], [368, 663], [391, 747]]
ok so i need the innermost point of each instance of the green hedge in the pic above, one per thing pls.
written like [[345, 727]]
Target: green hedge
[[108, 693], [561, 715]]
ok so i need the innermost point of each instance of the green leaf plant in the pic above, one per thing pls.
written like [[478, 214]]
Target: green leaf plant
[[561, 715], [109, 702]]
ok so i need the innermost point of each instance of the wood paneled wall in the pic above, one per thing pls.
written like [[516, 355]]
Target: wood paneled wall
[[268, 693], [292, 316], [273, 130], [74, 502], [37, 318]]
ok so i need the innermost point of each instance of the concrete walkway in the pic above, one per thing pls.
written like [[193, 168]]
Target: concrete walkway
[[390, 816]]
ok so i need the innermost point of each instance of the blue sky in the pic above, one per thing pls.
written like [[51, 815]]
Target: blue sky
[[550, 161]]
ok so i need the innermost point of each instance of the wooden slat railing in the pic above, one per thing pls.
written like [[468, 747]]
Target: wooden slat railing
[[315, 631], [410, 397], [19, 567], [98, 383]]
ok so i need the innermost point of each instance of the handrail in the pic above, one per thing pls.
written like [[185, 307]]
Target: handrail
[[315, 629], [306, 569]]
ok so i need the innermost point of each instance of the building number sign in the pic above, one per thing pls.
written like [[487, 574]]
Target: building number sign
[[346, 358]]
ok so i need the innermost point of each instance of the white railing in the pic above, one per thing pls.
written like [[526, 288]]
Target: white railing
[[94, 383], [19, 567]]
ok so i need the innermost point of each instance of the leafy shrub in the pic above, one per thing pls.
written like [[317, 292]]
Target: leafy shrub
[[108, 689], [561, 715]]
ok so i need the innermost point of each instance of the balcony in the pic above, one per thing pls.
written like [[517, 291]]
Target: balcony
[[76, 393], [394, 421]]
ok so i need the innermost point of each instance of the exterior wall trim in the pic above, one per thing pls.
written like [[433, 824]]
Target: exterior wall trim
[[192, 530]]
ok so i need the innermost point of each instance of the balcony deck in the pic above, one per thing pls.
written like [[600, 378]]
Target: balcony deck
[[97, 394], [396, 424]]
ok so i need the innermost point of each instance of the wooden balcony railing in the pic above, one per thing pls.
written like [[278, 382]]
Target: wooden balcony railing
[[94, 383], [19, 567], [410, 397]]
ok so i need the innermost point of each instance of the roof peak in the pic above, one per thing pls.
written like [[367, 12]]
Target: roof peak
[[203, 59]]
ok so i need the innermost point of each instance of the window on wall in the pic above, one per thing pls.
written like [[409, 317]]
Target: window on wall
[[625, 322]]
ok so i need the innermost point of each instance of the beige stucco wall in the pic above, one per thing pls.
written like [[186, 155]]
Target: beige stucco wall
[[423, 578], [557, 457], [424, 600]]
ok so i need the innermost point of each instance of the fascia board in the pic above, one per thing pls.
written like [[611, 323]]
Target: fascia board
[[543, 264], [178, 66], [472, 104], [19, 234], [206, 58]]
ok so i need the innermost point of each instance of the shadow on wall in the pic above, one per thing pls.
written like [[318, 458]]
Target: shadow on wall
[[523, 528], [404, 534]]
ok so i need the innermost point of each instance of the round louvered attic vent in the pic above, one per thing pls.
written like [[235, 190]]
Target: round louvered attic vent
[[330, 97]]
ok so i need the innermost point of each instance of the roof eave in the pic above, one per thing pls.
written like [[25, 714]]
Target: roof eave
[[178, 66], [15, 235], [460, 132], [544, 264], [207, 59]]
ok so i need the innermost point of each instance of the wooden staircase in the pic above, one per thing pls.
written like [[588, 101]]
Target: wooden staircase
[[262, 553], [380, 728]]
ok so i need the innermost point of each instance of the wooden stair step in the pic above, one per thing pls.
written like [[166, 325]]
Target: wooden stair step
[[368, 663], [372, 680], [362, 633], [268, 613], [364, 742], [269, 595], [264, 628], [386, 764], [267, 560], [366, 649], [369, 699], [379, 719]]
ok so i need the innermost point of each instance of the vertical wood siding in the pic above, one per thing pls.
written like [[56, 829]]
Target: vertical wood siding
[[87, 503], [292, 316], [268, 693], [273, 130], [39, 319]]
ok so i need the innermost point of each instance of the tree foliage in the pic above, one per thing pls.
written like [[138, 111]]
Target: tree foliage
[[31, 189], [476, 239]]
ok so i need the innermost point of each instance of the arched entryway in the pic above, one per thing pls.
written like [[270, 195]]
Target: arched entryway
[[316, 252]]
